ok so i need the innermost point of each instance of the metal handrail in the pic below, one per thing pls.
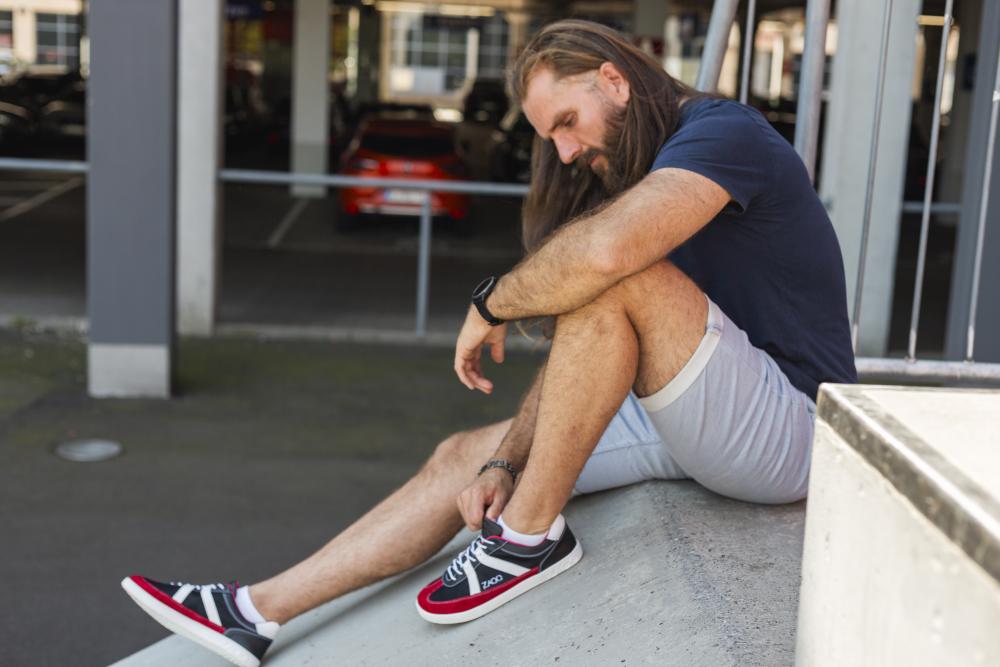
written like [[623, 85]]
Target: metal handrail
[[427, 186], [31, 164], [341, 180]]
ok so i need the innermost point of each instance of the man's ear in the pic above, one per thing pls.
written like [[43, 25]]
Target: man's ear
[[616, 84]]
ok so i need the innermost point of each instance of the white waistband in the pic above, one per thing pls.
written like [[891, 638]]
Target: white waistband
[[694, 366]]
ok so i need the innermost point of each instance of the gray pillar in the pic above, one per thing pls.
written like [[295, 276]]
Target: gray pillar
[[310, 92], [988, 308], [199, 120], [130, 197], [847, 146]]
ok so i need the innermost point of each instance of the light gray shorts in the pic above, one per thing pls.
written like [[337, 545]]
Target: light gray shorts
[[730, 420]]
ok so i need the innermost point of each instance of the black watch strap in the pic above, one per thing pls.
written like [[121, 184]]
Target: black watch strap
[[499, 463], [479, 296]]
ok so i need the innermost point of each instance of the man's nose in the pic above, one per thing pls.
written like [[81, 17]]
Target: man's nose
[[568, 150]]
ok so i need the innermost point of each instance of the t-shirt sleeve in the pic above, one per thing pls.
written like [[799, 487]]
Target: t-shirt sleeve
[[725, 145]]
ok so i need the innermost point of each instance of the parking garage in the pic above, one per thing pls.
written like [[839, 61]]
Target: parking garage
[[190, 192]]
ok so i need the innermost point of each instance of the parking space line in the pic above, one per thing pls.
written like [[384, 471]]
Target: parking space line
[[41, 198], [287, 223], [17, 185]]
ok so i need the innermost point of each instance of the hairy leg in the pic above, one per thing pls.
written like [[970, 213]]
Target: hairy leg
[[372, 549], [638, 334]]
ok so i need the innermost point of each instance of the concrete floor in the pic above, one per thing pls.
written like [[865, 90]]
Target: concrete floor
[[268, 450], [671, 575]]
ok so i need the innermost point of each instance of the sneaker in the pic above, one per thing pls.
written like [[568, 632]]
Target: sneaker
[[493, 571], [205, 614]]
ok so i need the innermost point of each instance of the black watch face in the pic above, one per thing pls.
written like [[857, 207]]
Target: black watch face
[[483, 287]]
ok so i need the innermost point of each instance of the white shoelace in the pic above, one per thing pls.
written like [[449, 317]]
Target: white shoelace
[[198, 587], [454, 570]]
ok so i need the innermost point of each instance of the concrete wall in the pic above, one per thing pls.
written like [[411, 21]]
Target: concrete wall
[[896, 570]]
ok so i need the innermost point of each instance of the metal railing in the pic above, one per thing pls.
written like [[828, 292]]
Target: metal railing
[[427, 187], [806, 139], [31, 164], [911, 368]]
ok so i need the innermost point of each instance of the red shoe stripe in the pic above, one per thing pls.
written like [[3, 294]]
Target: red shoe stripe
[[469, 601], [173, 604]]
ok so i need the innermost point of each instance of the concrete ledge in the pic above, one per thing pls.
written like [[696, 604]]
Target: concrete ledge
[[966, 510], [672, 575], [900, 562]]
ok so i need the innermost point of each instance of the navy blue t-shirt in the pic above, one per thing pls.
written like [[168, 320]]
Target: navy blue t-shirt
[[770, 259]]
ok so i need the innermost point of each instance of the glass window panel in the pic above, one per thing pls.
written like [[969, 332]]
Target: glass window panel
[[429, 59]]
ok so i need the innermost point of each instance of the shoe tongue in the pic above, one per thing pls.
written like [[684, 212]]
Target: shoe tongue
[[491, 528]]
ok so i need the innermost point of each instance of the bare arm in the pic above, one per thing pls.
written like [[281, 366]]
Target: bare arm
[[586, 257]]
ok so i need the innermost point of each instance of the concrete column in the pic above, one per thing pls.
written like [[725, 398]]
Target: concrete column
[[849, 133], [310, 92], [131, 197], [987, 345], [517, 33], [673, 52], [25, 35], [199, 121], [369, 39]]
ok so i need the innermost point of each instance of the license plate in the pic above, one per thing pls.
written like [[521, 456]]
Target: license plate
[[403, 197]]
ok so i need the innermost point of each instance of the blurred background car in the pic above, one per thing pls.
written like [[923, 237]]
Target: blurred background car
[[44, 112], [485, 102], [401, 145], [15, 128], [510, 148]]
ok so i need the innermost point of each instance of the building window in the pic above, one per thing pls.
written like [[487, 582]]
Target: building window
[[430, 52], [6, 32], [493, 48], [58, 39]]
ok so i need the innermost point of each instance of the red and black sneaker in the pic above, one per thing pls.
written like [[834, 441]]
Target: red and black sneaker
[[206, 614], [493, 571]]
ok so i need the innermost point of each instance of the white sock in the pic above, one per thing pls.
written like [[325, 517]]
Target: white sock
[[520, 538], [245, 605]]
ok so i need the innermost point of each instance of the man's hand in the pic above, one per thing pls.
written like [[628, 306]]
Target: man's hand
[[475, 333], [487, 495]]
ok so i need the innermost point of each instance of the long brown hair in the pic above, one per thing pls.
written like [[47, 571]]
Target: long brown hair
[[560, 192]]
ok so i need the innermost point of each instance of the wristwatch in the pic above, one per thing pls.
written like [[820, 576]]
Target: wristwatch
[[499, 463], [479, 296]]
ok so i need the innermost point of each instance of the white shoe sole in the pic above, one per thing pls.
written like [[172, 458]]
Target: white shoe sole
[[569, 561], [182, 625]]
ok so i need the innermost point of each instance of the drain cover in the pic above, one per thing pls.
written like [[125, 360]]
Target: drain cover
[[86, 451]]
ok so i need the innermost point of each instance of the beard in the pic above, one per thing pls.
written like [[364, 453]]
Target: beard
[[612, 172]]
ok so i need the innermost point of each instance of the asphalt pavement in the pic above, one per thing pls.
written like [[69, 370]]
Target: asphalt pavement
[[267, 451]]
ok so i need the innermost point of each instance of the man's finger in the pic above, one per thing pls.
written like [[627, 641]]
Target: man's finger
[[496, 352], [496, 507], [473, 510]]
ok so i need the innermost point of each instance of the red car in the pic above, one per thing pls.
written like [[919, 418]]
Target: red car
[[402, 146]]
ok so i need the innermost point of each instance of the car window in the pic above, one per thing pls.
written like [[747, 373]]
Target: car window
[[408, 146]]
